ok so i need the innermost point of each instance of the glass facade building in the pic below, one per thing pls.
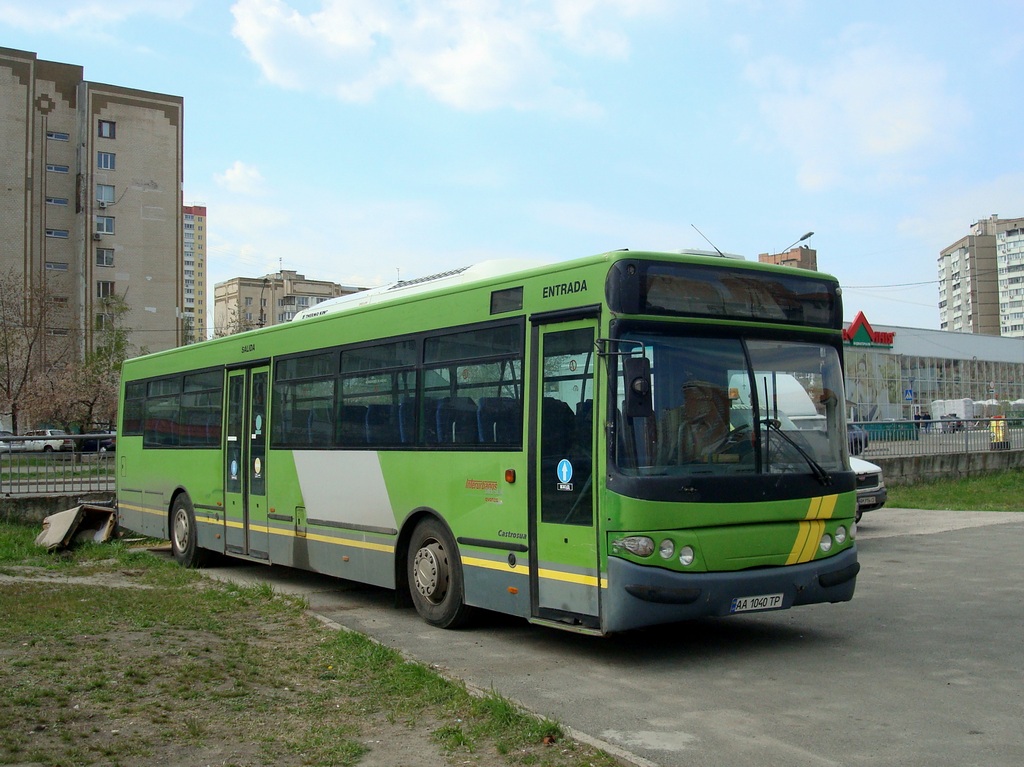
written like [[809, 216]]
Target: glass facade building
[[894, 373]]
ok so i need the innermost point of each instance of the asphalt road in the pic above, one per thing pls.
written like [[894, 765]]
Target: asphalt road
[[924, 667]]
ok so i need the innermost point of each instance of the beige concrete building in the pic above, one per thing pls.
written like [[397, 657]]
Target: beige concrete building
[[194, 326], [90, 198], [244, 303], [981, 280]]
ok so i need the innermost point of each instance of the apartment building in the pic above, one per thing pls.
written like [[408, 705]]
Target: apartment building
[[244, 303], [981, 279], [194, 323], [801, 257], [90, 201]]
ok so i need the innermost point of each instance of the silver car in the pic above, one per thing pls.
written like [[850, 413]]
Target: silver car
[[871, 492]]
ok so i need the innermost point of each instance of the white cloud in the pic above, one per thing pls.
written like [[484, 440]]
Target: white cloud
[[870, 114], [93, 17], [242, 179], [472, 55]]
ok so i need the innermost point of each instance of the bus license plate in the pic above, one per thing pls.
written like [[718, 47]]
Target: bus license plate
[[759, 602]]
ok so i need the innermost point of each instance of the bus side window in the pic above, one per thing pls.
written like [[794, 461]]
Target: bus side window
[[584, 426], [559, 428], [382, 425], [407, 421], [456, 421], [428, 422], [352, 425], [498, 421]]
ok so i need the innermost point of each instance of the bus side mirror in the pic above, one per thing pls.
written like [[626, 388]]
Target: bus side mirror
[[636, 372]]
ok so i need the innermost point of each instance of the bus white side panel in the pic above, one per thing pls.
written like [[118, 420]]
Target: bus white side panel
[[344, 486]]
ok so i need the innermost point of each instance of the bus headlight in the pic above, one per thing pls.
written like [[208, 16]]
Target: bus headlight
[[826, 542], [667, 549], [841, 535], [686, 556], [637, 545]]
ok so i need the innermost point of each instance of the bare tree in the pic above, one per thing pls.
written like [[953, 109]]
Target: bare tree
[[34, 338], [84, 393], [236, 323]]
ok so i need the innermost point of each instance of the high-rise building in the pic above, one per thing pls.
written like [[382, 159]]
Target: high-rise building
[[90, 200], [244, 303], [194, 309], [981, 280]]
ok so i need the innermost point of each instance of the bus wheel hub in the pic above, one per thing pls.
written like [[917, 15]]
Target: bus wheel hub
[[430, 571]]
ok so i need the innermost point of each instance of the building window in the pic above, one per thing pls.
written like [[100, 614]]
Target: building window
[[56, 266], [107, 129], [57, 168], [57, 201], [105, 161], [102, 322], [104, 256], [104, 289], [56, 135], [105, 224], [61, 234], [248, 300], [105, 194]]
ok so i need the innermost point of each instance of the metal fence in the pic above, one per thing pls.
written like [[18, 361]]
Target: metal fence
[[84, 464], [72, 465], [968, 435]]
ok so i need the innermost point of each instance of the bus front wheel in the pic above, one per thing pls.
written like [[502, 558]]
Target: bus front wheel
[[184, 545], [435, 576]]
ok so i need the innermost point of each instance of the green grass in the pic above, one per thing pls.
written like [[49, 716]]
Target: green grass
[[1002, 491], [114, 656]]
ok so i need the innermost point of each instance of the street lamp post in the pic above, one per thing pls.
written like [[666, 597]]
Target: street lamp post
[[790, 247], [263, 315]]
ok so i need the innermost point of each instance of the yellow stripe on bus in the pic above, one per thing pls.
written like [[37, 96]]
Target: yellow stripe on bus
[[554, 575], [810, 529], [141, 509], [490, 564], [583, 580], [822, 507]]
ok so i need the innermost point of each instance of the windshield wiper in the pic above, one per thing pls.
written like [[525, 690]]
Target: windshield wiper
[[773, 424]]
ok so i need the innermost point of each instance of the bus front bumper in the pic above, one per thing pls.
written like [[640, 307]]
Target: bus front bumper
[[644, 596]]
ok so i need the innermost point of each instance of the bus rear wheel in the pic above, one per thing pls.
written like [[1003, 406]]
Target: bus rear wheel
[[184, 544], [435, 576]]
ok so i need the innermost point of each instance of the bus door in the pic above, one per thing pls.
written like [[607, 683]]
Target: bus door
[[564, 569], [245, 464]]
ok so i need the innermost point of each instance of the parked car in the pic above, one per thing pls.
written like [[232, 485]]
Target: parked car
[[951, 422], [100, 443], [47, 440], [6, 445], [858, 437], [871, 492]]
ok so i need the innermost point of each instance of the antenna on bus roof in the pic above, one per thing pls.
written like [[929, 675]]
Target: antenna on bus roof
[[708, 241]]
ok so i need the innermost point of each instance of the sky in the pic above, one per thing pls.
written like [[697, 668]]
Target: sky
[[362, 141]]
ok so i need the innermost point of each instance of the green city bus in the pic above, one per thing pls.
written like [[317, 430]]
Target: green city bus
[[618, 441]]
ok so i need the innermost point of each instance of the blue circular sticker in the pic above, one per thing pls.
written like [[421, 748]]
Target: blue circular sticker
[[564, 470]]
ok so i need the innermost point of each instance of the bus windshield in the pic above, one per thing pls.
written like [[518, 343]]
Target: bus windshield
[[727, 406]]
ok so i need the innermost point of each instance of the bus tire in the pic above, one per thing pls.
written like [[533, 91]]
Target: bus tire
[[184, 542], [435, 576]]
